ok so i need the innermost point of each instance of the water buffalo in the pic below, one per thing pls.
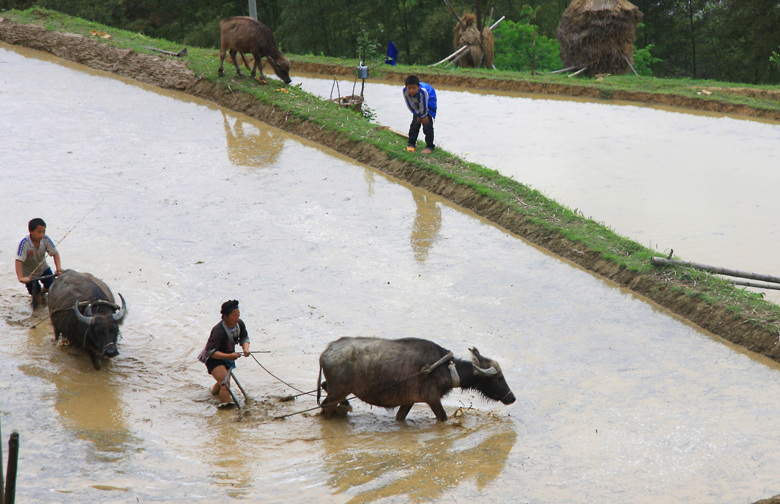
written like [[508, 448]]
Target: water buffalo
[[83, 312], [245, 35], [399, 373]]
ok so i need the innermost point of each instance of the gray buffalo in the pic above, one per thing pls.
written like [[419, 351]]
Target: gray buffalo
[[399, 373], [83, 313], [245, 35]]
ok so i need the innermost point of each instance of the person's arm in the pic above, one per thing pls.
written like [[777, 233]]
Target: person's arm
[[244, 337], [20, 272], [57, 265], [223, 355]]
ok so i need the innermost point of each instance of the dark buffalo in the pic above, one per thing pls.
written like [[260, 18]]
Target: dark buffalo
[[397, 373], [245, 35], [83, 313]]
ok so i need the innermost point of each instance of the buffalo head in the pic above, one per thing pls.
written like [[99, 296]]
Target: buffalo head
[[282, 68], [100, 337], [489, 380]]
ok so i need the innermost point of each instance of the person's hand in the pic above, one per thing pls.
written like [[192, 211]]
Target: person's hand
[[59, 272], [424, 121], [246, 349], [25, 280], [234, 356]]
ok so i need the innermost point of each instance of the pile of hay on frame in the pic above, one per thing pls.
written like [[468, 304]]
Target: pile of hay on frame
[[480, 53], [599, 35]]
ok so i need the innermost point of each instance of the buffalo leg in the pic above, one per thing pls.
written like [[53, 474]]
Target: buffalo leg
[[220, 71], [245, 62], [331, 403], [403, 411], [235, 62], [438, 410]]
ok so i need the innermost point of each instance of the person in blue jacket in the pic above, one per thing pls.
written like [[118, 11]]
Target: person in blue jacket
[[420, 98]]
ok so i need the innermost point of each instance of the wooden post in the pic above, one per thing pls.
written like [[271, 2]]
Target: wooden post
[[578, 72], [253, 9], [2, 481], [13, 462], [660, 261]]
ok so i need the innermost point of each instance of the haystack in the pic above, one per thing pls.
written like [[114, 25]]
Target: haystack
[[481, 50], [598, 35]]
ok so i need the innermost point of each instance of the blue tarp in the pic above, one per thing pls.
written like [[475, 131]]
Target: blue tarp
[[392, 54]]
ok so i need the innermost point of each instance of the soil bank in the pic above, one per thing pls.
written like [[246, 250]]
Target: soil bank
[[174, 74]]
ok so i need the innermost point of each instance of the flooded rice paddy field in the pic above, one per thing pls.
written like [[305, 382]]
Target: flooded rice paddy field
[[180, 205], [701, 185]]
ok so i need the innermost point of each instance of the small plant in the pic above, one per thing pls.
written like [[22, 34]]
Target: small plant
[[369, 48], [775, 58], [643, 59]]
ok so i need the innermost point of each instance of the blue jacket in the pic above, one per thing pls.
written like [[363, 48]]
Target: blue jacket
[[422, 104]]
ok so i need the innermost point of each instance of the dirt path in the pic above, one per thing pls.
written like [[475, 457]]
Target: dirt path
[[174, 74]]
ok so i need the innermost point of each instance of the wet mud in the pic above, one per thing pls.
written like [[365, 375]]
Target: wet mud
[[174, 74], [616, 397]]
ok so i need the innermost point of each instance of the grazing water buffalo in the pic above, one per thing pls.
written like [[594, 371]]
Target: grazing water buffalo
[[245, 35], [83, 312], [399, 373]]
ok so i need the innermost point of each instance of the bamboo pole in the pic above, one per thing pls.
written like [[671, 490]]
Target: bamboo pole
[[660, 261], [755, 285], [565, 69], [496, 23], [450, 56]]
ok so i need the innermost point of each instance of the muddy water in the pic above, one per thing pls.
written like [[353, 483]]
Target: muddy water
[[701, 185], [180, 205]]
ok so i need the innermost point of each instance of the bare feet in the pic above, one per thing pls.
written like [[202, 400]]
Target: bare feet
[[426, 150]]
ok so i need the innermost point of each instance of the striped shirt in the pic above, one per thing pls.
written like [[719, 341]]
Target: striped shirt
[[33, 258]]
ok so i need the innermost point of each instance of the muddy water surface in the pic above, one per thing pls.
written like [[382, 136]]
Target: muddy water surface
[[702, 185], [180, 205]]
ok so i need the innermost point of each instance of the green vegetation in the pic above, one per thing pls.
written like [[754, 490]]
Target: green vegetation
[[552, 218], [699, 39]]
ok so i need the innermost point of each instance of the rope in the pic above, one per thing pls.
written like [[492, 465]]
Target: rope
[[426, 370], [277, 378]]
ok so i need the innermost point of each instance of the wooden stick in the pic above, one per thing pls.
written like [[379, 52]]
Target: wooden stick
[[565, 69], [755, 285], [450, 56], [630, 65], [496, 23], [578, 72], [458, 58], [660, 261], [179, 54], [460, 21]]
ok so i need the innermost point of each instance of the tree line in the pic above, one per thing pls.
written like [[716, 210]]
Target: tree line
[[730, 40]]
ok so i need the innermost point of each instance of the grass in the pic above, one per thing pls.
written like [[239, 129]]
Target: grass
[[551, 217]]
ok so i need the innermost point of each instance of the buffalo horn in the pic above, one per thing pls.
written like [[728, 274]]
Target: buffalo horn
[[491, 371], [121, 313], [80, 316]]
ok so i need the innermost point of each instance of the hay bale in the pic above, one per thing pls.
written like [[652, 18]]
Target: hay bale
[[481, 49], [598, 34]]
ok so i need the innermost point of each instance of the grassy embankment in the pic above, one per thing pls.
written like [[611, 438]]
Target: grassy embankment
[[551, 219]]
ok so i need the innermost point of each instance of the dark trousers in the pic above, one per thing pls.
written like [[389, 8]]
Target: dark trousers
[[34, 287], [414, 132]]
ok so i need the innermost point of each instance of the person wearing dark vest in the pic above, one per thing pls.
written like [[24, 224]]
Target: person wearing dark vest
[[220, 354]]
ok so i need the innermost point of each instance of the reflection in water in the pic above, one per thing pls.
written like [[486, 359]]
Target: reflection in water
[[87, 400], [227, 454], [421, 463], [427, 222], [246, 148]]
